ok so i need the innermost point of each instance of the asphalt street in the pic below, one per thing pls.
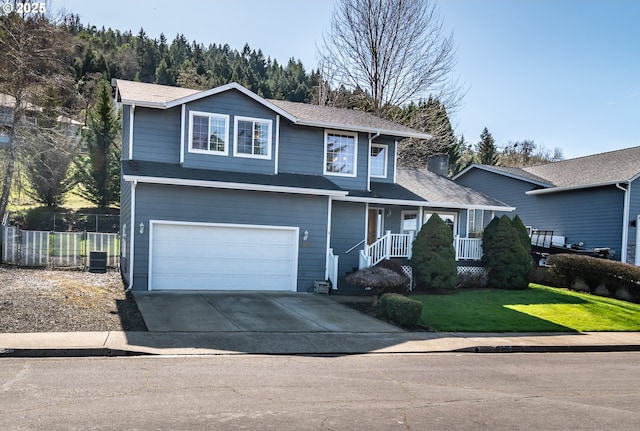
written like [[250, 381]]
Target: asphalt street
[[452, 391]]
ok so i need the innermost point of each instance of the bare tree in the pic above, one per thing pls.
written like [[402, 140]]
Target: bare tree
[[394, 50], [34, 55]]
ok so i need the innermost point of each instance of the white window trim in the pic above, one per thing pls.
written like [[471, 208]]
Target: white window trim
[[385, 147], [209, 115], [235, 137], [442, 213], [355, 153], [469, 217], [409, 212]]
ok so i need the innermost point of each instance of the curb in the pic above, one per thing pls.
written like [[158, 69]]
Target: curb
[[550, 349], [67, 353]]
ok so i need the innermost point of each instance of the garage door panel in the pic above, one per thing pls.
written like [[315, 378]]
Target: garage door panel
[[222, 257]]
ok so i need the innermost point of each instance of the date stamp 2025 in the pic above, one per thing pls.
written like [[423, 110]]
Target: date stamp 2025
[[24, 8]]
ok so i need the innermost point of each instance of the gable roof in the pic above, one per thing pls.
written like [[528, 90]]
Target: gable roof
[[437, 189], [165, 97], [347, 119], [612, 167]]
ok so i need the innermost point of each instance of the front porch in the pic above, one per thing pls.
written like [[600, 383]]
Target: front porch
[[398, 245]]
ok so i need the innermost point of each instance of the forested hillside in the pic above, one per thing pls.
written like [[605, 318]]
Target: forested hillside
[[107, 53]]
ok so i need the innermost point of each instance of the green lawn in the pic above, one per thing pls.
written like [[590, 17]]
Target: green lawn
[[537, 309]]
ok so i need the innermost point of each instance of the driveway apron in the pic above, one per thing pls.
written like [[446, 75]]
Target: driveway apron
[[251, 312]]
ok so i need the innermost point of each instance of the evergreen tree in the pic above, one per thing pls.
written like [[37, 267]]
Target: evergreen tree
[[99, 172], [504, 256], [487, 151], [433, 255], [525, 240]]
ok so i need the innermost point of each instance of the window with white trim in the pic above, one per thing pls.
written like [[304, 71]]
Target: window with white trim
[[252, 137], [341, 149], [409, 221], [448, 218], [208, 133], [378, 160], [475, 223]]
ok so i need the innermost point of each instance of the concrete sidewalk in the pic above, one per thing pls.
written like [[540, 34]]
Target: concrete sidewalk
[[304, 343]]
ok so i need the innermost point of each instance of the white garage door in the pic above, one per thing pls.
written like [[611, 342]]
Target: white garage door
[[222, 257]]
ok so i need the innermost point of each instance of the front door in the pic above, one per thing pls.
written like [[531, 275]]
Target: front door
[[374, 225]]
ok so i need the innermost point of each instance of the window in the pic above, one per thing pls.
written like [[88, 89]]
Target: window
[[378, 160], [208, 133], [475, 223], [409, 221], [449, 219], [252, 138], [340, 153]]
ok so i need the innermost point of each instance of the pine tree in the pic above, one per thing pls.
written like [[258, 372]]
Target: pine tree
[[487, 150], [504, 255], [99, 171], [433, 255]]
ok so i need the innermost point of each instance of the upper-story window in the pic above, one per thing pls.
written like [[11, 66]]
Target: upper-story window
[[252, 137], [208, 133], [340, 153], [378, 160]]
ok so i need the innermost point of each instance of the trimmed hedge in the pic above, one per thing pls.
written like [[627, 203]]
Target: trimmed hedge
[[401, 310], [598, 276]]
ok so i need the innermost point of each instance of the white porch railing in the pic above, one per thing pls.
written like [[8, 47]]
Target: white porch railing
[[332, 269], [468, 248], [399, 245], [388, 246]]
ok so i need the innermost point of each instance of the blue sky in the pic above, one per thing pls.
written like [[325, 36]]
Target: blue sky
[[564, 73]]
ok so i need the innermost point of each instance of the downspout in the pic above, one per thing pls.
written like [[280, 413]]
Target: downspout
[[371, 138], [625, 220], [132, 235], [131, 111]]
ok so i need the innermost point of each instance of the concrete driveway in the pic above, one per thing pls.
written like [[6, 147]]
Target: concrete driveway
[[252, 312]]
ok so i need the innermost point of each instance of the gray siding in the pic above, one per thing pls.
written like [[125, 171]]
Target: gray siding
[[231, 103], [634, 212], [156, 135], [592, 216], [241, 207], [301, 149], [347, 229]]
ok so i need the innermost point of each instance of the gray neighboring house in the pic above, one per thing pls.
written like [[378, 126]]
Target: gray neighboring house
[[225, 190], [594, 199]]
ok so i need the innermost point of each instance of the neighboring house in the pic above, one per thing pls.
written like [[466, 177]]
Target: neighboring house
[[223, 189], [594, 200], [30, 119]]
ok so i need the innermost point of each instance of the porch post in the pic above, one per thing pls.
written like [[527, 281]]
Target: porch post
[[387, 244]]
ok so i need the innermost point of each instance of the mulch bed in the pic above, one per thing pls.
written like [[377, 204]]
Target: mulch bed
[[42, 300]]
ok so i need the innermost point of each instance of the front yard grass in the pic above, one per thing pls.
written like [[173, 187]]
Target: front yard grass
[[537, 309]]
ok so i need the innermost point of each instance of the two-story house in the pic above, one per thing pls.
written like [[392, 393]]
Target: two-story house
[[225, 190]]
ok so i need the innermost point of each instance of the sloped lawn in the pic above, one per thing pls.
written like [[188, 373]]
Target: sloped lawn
[[537, 309]]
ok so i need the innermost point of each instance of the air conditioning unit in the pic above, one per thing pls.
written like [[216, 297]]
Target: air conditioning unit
[[321, 287]]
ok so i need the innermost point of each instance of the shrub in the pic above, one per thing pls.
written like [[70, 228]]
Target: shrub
[[506, 259], [595, 272], [401, 310], [433, 255], [397, 268], [379, 279]]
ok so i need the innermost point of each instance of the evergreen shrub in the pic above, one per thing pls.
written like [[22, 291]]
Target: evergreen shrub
[[506, 259], [595, 272], [401, 310], [433, 255]]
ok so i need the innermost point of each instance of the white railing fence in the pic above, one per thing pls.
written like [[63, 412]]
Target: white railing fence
[[468, 248], [388, 246], [57, 249]]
